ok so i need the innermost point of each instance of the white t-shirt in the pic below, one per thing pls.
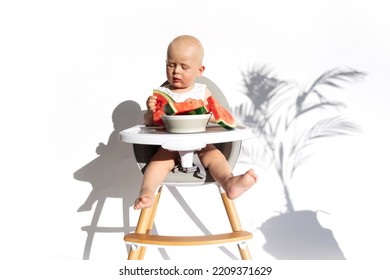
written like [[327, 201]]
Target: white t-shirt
[[197, 92]]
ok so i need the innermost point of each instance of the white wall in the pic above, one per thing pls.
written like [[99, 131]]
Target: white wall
[[66, 65]]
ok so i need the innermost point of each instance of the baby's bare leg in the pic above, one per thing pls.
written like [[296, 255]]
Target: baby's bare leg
[[219, 168], [156, 171]]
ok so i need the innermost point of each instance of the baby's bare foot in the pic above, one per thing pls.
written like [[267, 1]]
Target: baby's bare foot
[[237, 185], [143, 201]]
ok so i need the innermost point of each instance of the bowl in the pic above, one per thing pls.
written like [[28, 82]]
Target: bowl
[[186, 123]]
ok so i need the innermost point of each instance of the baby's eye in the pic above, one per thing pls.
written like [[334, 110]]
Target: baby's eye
[[185, 67], [171, 65]]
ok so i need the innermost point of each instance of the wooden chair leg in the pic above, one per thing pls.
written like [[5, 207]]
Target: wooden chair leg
[[145, 226], [146, 222], [234, 220]]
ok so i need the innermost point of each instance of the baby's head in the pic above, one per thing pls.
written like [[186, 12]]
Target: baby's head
[[184, 61], [189, 44]]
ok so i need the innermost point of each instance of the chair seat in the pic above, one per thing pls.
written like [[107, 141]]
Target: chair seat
[[215, 239], [186, 179]]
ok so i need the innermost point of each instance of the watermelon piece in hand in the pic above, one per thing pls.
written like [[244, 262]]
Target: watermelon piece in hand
[[221, 115], [162, 99]]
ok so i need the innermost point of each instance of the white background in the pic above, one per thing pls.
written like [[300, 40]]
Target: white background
[[65, 66]]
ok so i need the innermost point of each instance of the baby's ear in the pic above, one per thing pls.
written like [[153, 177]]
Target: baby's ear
[[201, 70]]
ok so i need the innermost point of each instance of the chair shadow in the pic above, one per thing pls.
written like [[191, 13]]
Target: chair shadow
[[114, 173]]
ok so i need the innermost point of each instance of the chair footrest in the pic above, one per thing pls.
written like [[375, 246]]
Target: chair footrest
[[214, 239]]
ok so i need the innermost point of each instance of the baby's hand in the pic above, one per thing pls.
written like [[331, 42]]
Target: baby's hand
[[151, 103]]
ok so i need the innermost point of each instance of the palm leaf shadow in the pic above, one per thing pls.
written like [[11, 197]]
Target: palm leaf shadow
[[288, 121]]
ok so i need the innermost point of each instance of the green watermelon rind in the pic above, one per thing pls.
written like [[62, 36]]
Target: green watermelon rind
[[198, 111], [227, 126], [170, 109], [163, 94]]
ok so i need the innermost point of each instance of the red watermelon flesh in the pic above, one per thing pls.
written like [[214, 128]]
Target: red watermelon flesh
[[162, 99], [181, 108], [221, 115]]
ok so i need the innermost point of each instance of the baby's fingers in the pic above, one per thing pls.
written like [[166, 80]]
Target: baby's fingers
[[151, 103]]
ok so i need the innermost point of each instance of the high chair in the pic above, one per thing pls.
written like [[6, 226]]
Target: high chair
[[146, 141]]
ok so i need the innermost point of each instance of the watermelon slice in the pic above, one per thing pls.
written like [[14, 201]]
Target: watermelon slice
[[199, 111], [162, 99], [181, 108], [221, 115]]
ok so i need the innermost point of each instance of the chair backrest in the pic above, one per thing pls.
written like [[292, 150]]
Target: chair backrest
[[231, 150]]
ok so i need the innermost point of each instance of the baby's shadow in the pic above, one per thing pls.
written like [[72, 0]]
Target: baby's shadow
[[113, 174]]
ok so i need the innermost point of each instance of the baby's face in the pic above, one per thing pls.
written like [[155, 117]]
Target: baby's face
[[183, 66]]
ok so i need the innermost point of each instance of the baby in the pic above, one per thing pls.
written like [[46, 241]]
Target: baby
[[184, 63]]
